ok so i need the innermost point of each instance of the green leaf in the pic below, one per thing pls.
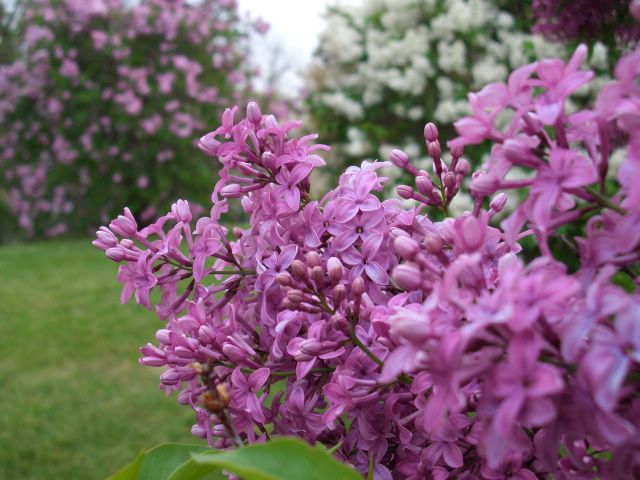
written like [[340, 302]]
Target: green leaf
[[159, 463], [279, 459], [129, 472], [190, 470]]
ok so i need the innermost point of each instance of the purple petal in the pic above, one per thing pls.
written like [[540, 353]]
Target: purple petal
[[287, 256], [452, 455], [255, 408], [346, 211], [377, 273], [371, 245], [299, 172], [370, 204], [371, 219], [292, 198], [258, 378], [507, 414], [351, 256], [345, 240]]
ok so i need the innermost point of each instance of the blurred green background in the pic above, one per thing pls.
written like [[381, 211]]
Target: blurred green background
[[75, 402]]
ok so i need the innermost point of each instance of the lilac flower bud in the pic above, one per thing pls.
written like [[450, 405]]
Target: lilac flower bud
[[153, 361], [339, 294], [424, 185], [237, 232], [270, 122], [312, 347], [463, 167], [170, 377], [284, 279], [127, 243], [357, 287], [404, 191], [484, 184], [532, 124], [398, 232], [434, 150], [430, 132], [105, 239], [432, 243], [339, 322], [233, 190], [498, 202], [334, 265], [313, 259], [289, 305], [247, 204], [209, 145], [515, 150], [399, 158], [456, 151], [299, 270], [254, 115], [234, 353], [269, 160], [317, 275], [125, 225], [181, 211], [406, 247], [407, 276], [411, 327], [450, 180], [117, 254], [295, 296], [472, 233], [164, 336]]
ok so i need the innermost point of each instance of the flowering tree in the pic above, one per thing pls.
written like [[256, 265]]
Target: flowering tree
[[414, 348], [103, 100], [383, 66], [585, 20]]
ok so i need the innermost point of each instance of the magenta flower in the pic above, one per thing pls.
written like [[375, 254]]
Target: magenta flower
[[560, 81], [360, 227], [246, 390], [289, 181], [358, 198], [274, 264], [523, 386], [137, 278], [370, 260]]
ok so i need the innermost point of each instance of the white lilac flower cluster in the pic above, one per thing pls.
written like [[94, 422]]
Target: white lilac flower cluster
[[398, 62]]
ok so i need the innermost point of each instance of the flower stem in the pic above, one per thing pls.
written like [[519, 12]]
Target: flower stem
[[605, 201], [358, 343]]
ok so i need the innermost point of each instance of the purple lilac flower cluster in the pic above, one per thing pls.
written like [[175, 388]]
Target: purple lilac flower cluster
[[102, 104], [428, 349], [585, 20]]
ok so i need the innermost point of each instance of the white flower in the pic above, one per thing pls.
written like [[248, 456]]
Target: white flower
[[452, 57], [599, 57], [343, 104]]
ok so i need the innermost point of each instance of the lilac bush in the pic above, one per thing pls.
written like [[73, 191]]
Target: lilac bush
[[585, 20], [460, 348], [103, 102]]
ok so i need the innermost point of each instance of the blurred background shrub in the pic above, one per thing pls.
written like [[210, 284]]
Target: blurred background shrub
[[101, 102], [386, 67]]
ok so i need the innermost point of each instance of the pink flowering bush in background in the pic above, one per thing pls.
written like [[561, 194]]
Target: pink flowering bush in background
[[101, 106], [459, 348]]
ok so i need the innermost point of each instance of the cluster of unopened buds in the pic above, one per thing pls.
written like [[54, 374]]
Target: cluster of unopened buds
[[417, 348]]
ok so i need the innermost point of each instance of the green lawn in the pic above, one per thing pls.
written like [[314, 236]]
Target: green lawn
[[74, 403]]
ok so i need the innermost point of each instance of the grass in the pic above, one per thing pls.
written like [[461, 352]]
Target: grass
[[74, 403]]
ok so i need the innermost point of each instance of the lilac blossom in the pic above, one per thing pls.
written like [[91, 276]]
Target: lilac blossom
[[417, 344]]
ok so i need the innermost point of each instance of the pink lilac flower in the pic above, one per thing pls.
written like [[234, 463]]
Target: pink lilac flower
[[422, 346]]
